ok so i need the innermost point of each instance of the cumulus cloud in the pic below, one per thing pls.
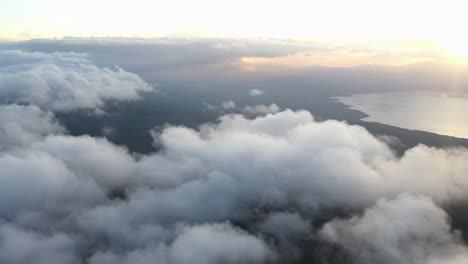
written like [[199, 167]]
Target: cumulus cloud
[[409, 229], [231, 192], [108, 131], [256, 92], [261, 109], [63, 81], [284, 224], [293, 144], [248, 110], [21, 125], [228, 105], [202, 244], [28, 247], [224, 106]]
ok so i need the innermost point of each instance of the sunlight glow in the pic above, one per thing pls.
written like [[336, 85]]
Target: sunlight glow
[[438, 22], [457, 47], [262, 18]]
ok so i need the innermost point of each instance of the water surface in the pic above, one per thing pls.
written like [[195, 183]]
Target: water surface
[[436, 112]]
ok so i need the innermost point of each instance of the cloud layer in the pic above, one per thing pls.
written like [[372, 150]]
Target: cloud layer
[[85, 200]]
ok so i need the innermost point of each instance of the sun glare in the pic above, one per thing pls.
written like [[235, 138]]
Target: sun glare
[[457, 48]]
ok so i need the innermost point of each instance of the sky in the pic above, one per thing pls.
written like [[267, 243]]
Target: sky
[[440, 23]]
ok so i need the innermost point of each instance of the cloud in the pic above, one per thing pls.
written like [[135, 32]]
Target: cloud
[[226, 105], [256, 92], [292, 143], [409, 229], [287, 230], [230, 106], [28, 247], [141, 55], [22, 125], [108, 131], [261, 109], [202, 244], [63, 81], [231, 192], [218, 243], [285, 225]]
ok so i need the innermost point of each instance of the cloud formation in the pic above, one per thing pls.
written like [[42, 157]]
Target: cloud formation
[[275, 173], [256, 92], [63, 81], [409, 229], [224, 106], [203, 244], [23, 125], [260, 109], [228, 105]]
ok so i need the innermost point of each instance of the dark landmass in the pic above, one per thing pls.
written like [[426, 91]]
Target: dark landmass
[[410, 138], [128, 124]]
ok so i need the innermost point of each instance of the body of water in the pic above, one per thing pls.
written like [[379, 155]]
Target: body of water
[[436, 112]]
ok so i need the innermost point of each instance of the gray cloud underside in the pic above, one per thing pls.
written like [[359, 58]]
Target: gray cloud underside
[[139, 55]]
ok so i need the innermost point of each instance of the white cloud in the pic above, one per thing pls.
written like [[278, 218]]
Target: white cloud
[[224, 106], [63, 81], [261, 109], [285, 225], [21, 125], [268, 173], [256, 92], [227, 105], [218, 243], [409, 229]]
